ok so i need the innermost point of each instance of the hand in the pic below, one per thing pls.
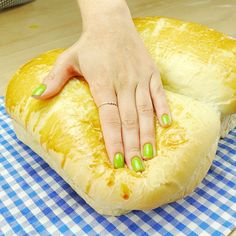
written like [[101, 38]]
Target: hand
[[118, 68]]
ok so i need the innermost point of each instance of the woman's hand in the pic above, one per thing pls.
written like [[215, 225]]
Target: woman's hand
[[113, 60]]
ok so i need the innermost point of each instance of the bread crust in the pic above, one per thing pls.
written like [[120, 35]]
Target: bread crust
[[193, 60], [65, 130]]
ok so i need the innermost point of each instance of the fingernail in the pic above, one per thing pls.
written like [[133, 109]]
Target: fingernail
[[118, 160], [165, 120], [148, 150], [137, 164], [39, 90]]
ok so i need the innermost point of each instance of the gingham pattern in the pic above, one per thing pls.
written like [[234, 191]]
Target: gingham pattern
[[34, 200]]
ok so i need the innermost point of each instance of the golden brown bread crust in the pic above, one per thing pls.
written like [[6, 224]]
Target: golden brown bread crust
[[193, 60], [66, 132]]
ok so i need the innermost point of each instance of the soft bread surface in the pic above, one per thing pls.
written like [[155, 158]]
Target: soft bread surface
[[68, 128], [193, 60], [65, 131]]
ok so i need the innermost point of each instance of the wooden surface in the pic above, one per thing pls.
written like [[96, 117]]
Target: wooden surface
[[42, 25]]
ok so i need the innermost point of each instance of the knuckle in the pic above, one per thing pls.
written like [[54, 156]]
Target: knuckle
[[148, 136], [116, 143], [125, 83], [133, 150], [98, 85], [113, 122], [145, 108], [121, 83], [130, 122]]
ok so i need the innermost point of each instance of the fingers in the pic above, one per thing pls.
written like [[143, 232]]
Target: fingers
[[110, 123], [130, 128], [159, 100], [53, 83], [146, 120]]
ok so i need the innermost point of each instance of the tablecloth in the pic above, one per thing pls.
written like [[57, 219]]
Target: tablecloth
[[35, 200]]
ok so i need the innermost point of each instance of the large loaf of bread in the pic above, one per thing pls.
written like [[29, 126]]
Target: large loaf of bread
[[198, 69]]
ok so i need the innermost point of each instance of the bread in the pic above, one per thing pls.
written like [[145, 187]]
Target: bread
[[65, 130], [193, 60]]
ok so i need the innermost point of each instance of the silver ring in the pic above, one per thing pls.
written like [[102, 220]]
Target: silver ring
[[108, 103]]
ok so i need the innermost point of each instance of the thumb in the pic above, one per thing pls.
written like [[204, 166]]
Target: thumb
[[54, 82]]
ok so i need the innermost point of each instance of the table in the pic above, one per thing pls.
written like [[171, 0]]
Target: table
[[41, 25]]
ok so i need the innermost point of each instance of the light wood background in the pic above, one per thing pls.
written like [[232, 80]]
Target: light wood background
[[31, 29]]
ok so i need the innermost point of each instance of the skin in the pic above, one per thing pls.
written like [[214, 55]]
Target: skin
[[118, 68]]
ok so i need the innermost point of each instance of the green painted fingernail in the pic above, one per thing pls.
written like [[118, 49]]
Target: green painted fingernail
[[137, 164], [39, 90], [118, 160], [148, 150], [165, 120]]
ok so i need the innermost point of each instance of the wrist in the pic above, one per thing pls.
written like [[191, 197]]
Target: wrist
[[103, 15]]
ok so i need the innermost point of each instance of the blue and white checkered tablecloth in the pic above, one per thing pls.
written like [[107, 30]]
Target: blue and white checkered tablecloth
[[34, 200]]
